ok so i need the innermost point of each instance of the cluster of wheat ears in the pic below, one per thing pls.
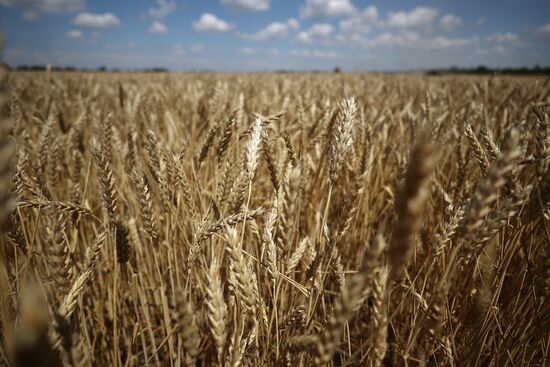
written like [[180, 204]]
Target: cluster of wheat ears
[[306, 219]]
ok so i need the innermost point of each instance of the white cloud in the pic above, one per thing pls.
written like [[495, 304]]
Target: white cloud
[[480, 21], [258, 51], [360, 22], [389, 39], [164, 7], [111, 58], [500, 37], [197, 48], [354, 29], [406, 40], [293, 23], [47, 6], [450, 22], [248, 51], [326, 8], [544, 30], [158, 27], [418, 17], [75, 34], [440, 42], [315, 54], [497, 49], [210, 23], [247, 5], [350, 40], [30, 16], [273, 31], [90, 20], [318, 32]]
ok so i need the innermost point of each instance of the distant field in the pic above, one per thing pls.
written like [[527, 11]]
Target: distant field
[[274, 219]]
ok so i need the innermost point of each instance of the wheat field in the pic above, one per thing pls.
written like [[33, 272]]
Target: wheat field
[[274, 219]]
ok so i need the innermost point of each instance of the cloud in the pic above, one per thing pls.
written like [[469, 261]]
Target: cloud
[[164, 7], [318, 32], [30, 16], [293, 23], [543, 30], [326, 8], [398, 25], [500, 37], [315, 54], [273, 31], [158, 27], [247, 5], [258, 51], [480, 21], [122, 59], [248, 51], [405, 40], [197, 48], [360, 22], [418, 17], [440, 42], [210, 23], [75, 34], [106, 20], [47, 6], [497, 49], [389, 39], [450, 22]]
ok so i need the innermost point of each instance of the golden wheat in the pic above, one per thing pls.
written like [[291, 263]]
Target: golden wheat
[[273, 219]]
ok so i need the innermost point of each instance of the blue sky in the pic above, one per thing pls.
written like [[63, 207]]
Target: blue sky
[[251, 35]]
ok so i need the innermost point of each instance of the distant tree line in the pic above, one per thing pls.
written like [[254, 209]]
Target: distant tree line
[[484, 70], [480, 70], [69, 68]]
